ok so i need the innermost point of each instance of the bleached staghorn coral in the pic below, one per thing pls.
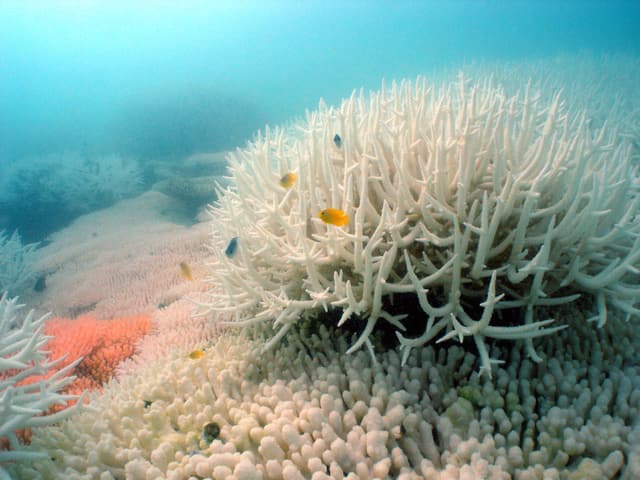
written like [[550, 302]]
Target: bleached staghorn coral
[[99, 181], [69, 181], [22, 356], [469, 200], [308, 410], [602, 84], [16, 263]]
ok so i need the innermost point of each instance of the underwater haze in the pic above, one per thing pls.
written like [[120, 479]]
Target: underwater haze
[[163, 80], [429, 268]]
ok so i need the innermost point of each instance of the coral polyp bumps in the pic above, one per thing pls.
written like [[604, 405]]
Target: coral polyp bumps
[[472, 202]]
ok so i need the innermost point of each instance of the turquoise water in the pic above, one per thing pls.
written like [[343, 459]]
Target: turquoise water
[[91, 75], [162, 81]]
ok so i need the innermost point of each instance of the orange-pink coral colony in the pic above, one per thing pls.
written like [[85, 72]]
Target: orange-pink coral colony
[[103, 344]]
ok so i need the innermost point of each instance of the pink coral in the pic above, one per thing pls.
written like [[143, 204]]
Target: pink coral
[[103, 344]]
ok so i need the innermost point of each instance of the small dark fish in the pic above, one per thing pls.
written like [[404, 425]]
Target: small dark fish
[[337, 140], [194, 452], [232, 248], [41, 284], [210, 432]]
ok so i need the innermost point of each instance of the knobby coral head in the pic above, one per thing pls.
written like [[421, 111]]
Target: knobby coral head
[[470, 201]]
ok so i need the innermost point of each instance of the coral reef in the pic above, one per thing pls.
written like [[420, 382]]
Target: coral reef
[[197, 165], [308, 410], [463, 211], [191, 181], [193, 192], [75, 182], [17, 272], [481, 207], [60, 187], [176, 332], [603, 85], [94, 266], [22, 357]]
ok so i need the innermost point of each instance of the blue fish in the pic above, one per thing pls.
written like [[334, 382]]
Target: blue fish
[[232, 248], [337, 140]]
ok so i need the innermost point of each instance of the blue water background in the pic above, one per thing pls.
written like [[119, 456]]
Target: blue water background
[[153, 82], [163, 78]]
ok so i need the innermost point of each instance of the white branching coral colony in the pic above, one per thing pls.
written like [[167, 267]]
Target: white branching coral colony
[[473, 202], [23, 355], [16, 259]]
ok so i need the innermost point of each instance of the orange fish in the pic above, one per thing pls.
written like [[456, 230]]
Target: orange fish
[[288, 180], [185, 269], [196, 354], [334, 216]]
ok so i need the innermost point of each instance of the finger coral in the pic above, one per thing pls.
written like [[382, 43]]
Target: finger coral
[[478, 206], [309, 411]]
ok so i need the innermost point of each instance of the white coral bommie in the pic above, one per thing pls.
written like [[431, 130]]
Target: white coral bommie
[[469, 200]]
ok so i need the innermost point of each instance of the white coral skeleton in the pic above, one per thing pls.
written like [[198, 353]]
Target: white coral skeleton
[[16, 262], [469, 200], [22, 355]]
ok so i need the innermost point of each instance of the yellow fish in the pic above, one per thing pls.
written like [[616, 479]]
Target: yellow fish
[[196, 354], [288, 180], [334, 216], [185, 269]]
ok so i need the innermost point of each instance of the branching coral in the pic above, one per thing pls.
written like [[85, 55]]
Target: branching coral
[[473, 202], [73, 181], [308, 411], [16, 263], [60, 187], [22, 355], [100, 344]]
